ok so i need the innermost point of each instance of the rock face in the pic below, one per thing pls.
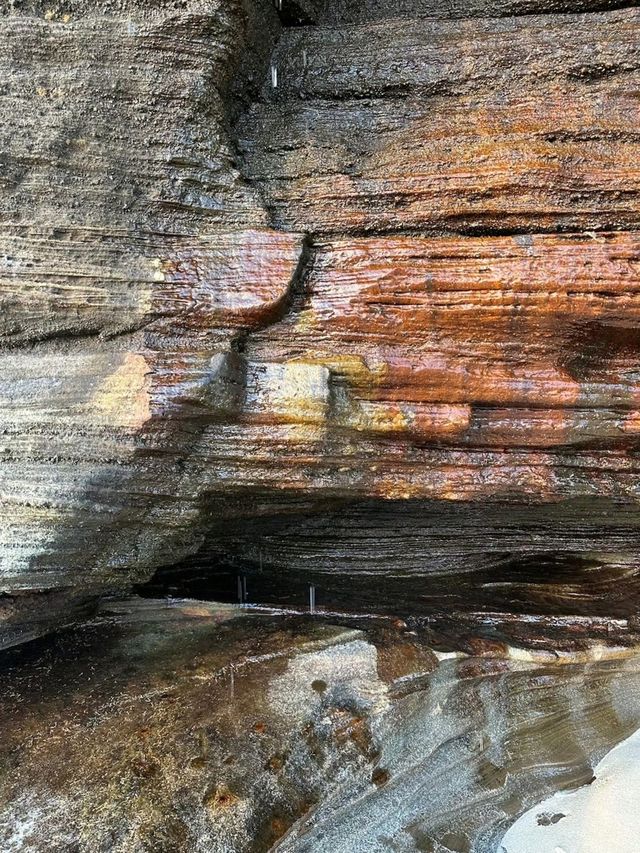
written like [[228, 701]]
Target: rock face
[[360, 299], [197, 727], [134, 260]]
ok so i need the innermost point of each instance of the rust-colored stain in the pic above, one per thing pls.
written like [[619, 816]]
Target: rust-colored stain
[[240, 279], [479, 361], [220, 798], [380, 776]]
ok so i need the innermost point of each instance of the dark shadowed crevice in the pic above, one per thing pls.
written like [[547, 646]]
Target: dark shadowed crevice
[[495, 571]]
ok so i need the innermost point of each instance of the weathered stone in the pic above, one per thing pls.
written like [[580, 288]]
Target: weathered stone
[[355, 11], [133, 258], [489, 58], [385, 129], [191, 726], [598, 816], [202, 357]]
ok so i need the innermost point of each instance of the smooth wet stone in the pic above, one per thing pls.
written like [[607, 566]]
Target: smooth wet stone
[[181, 727], [187, 726]]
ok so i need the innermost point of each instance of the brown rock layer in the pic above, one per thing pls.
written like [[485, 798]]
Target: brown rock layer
[[384, 128], [348, 324]]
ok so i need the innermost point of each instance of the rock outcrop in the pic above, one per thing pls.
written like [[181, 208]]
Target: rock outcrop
[[196, 727], [134, 260], [357, 300]]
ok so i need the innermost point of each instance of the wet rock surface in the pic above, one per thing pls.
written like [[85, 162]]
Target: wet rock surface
[[307, 285], [602, 815], [536, 576], [190, 726], [331, 309]]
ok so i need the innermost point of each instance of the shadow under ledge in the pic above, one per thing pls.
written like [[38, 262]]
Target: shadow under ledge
[[559, 577]]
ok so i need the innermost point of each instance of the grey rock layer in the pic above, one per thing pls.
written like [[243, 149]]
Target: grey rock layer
[[198, 727], [130, 260]]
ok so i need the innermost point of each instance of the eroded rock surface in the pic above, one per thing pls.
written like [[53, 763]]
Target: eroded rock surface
[[190, 727], [357, 296], [134, 259]]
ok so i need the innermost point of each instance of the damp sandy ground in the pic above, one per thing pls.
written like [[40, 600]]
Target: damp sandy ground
[[601, 816]]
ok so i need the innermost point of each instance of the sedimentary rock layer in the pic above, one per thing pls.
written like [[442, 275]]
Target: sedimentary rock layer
[[384, 128], [454, 368], [355, 11], [432, 57], [551, 575], [233, 291], [80, 282], [132, 256]]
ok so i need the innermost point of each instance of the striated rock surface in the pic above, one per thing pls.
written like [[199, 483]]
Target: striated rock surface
[[352, 299], [133, 261], [196, 727], [356, 11], [520, 125]]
